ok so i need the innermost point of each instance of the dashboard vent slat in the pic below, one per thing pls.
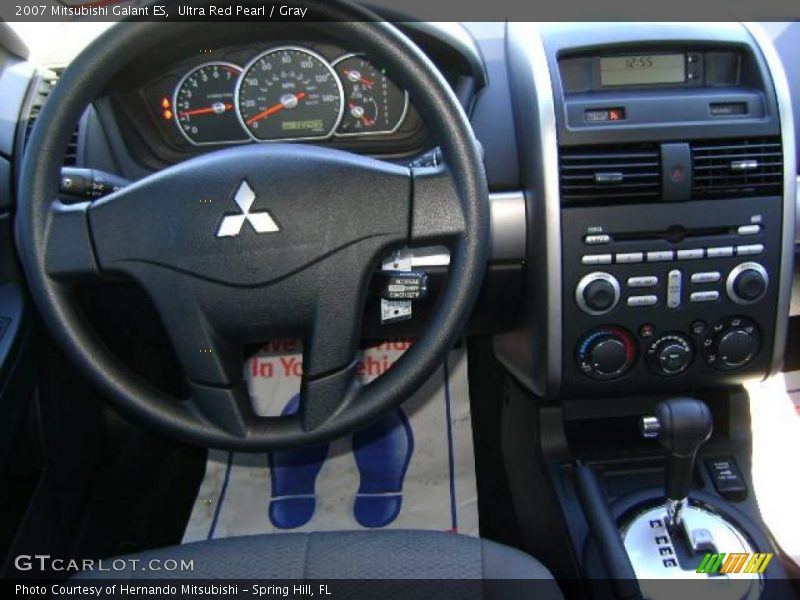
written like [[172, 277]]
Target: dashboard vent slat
[[46, 82], [737, 168], [610, 173]]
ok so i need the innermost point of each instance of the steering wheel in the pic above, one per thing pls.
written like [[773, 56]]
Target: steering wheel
[[334, 215]]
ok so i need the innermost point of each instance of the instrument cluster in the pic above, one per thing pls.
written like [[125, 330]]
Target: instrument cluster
[[285, 93]]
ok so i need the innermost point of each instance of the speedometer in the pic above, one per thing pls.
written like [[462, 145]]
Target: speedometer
[[289, 93]]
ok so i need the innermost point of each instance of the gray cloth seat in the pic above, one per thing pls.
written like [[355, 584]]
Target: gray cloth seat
[[396, 555]]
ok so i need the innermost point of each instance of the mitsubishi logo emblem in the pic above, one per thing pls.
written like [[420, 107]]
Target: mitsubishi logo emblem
[[261, 220]]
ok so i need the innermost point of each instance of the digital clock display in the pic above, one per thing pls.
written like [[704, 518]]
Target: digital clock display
[[642, 69]]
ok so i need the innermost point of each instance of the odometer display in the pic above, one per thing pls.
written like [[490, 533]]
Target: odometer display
[[289, 93]]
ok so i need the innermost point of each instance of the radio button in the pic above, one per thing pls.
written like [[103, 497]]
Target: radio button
[[691, 254], [596, 259], [720, 252], [674, 284], [630, 257], [707, 277], [749, 250], [600, 238], [708, 296], [643, 282], [642, 300], [660, 256], [749, 229]]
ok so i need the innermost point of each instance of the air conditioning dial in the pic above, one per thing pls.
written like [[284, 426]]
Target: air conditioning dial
[[670, 354], [606, 353], [732, 343]]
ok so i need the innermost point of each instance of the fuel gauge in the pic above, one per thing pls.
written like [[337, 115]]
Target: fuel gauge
[[372, 103]]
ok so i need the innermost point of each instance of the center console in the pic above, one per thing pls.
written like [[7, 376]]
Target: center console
[[660, 187], [664, 208]]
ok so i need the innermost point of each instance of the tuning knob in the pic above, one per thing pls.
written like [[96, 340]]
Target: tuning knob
[[747, 283], [670, 354], [597, 293], [606, 353]]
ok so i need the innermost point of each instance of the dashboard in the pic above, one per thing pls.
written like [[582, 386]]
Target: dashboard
[[644, 175], [241, 84]]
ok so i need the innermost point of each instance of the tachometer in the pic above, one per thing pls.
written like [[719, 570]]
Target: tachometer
[[289, 93], [203, 104], [373, 104]]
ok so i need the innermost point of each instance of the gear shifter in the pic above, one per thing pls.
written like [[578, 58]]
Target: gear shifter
[[681, 426], [670, 542]]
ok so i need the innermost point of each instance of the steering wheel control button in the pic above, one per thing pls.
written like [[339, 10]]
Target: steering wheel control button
[[627, 258], [597, 293], [670, 354], [648, 300], [749, 250], [596, 259], [749, 229], [674, 288], [596, 239], [643, 282], [606, 353], [660, 256], [733, 343], [720, 252], [747, 283], [706, 277], [691, 254]]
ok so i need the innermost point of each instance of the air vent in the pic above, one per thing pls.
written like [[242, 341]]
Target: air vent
[[591, 174], [736, 168], [45, 84]]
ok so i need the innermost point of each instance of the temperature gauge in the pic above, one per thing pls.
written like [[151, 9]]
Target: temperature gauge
[[372, 103]]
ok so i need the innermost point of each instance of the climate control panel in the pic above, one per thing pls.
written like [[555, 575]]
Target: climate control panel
[[669, 297]]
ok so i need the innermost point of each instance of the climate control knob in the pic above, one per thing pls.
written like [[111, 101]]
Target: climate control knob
[[597, 293], [733, 343], [670, 354], [606, 353], [747, 283]]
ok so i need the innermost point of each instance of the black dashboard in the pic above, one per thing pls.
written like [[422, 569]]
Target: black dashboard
[[642, 178], [239, 84]]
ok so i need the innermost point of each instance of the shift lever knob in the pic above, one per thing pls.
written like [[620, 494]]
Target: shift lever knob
[[681, 426]]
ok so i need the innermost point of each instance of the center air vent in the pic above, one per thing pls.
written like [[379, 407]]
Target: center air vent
[[737, 168], [44, 85], [591, 174]]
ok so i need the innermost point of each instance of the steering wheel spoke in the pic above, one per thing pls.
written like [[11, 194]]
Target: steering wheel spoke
[[69, 252], [437, 217]]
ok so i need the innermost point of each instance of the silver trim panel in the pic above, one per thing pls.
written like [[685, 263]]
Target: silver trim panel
[[507, 235], [782, 93], [507, 226]]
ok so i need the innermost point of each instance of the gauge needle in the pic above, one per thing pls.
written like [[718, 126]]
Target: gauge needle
[[216, 108], [287, 101], [356, 76]]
